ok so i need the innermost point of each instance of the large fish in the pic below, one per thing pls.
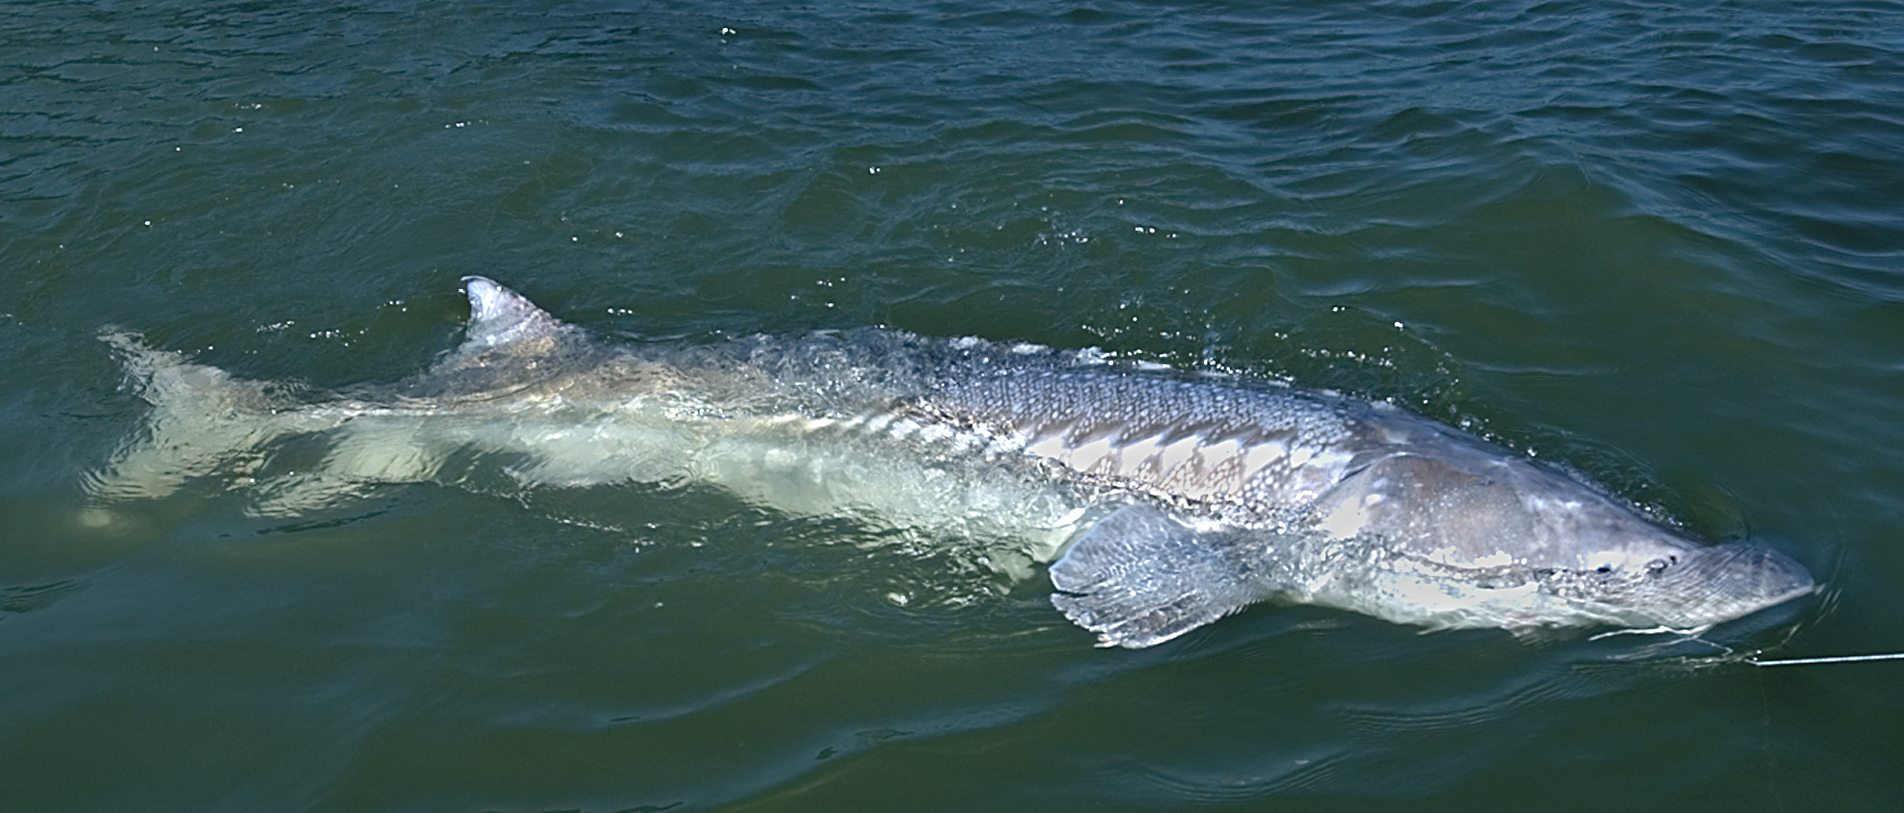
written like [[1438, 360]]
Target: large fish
[[1162, 500]]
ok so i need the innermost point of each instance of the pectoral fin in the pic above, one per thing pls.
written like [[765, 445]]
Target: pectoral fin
[[1139, 577]]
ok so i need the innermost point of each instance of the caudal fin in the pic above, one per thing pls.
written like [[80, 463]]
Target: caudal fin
[[202, 422]]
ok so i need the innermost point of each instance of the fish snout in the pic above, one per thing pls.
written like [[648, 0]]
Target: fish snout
[[1768, 573], [1724, 582]]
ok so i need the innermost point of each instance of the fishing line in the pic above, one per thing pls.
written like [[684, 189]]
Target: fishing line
[[1882, 656]]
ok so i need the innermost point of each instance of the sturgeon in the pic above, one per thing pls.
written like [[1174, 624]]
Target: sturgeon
[[1162, 500]]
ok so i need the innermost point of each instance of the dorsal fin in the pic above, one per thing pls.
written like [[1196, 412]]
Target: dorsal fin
[[499, 316]]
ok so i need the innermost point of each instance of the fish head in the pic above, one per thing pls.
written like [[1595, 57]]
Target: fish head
[[1530, 546], [1665, 581]]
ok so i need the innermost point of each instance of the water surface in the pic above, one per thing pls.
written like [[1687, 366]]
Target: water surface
[[1657, 243]]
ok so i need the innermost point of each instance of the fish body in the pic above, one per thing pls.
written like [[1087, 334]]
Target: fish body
[[1162, 500]]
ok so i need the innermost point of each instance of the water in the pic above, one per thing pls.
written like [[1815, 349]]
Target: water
[[1656, 243]]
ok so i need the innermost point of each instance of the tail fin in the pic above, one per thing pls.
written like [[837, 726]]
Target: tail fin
[[202, 421]]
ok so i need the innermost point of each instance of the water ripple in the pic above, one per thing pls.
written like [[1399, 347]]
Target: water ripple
[[1656, 242]]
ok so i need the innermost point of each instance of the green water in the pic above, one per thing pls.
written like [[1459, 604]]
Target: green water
[[1657, 243]]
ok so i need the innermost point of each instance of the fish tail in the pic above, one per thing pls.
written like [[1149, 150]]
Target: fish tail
[[202, 421]]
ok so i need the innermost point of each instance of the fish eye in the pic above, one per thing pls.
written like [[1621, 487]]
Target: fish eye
[[1603, 569]]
